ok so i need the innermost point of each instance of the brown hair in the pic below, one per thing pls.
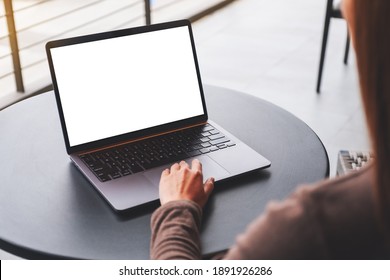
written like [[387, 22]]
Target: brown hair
[[370, 29]]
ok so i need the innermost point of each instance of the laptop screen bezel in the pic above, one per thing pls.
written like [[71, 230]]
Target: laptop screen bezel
[[131, 135]]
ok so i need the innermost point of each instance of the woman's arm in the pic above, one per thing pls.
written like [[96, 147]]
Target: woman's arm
[[175, 231], [287, 230], [175, 225]]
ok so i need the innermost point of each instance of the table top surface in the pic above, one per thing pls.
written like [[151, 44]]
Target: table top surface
[[49, 210]]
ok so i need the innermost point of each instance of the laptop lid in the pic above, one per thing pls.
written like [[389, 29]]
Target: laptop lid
[[122, 85]]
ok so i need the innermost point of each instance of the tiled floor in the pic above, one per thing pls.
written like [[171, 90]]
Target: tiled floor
[[270, 49]]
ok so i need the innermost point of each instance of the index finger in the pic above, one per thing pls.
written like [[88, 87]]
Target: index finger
[[196, 165]]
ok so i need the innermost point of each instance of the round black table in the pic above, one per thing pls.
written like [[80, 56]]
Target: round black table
[[49, 210]]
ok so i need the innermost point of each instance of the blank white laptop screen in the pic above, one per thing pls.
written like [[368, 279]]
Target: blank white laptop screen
[[125, 84]]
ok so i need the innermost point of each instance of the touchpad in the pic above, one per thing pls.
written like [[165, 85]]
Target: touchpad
[[209, 166]]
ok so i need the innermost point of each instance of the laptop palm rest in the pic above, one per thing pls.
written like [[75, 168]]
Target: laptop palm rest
[[209, 166]]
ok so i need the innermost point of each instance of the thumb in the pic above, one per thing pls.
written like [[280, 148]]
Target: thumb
[[209, 186]]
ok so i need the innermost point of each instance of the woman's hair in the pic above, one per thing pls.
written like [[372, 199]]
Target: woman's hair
[[371, 33]]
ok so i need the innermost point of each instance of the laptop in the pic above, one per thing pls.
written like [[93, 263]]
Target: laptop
[[131, 104]]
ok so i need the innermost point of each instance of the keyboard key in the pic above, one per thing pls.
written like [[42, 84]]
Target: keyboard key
[[115, 175], [206, 145], [207, 127], [196, 141], [216, 136], [197, 147], [165, 149], [149, 164], [135, 168], [213, 149], [219, 141], [97, 169], [194, 153], [103, 177]]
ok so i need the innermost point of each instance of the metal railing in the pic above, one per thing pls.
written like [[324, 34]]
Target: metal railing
[[139, 12], [13, 41]]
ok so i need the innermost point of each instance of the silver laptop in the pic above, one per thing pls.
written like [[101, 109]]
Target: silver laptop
[[131, 104]]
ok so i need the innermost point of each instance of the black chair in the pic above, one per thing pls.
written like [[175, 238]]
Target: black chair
[[332, 11]]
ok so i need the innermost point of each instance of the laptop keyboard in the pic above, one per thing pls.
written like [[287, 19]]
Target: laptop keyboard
[[139, 156]]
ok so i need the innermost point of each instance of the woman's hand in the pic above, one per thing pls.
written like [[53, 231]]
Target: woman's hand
[[182, 182]]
